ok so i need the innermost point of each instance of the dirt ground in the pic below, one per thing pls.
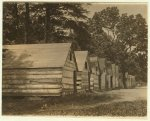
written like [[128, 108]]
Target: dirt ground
[[138, 93], [120, 102]]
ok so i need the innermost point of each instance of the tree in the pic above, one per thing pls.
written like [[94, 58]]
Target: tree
[[49, 22], [10, 16], [27, 25], [120, 39]]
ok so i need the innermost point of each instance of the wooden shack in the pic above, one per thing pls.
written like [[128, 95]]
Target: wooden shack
[[109, 83], [117, 76], [126, 77], [121, 85], [102, 65], [95, 75], [113, 86], [132, 81], [39, 70], [128, 80], [83, 74]]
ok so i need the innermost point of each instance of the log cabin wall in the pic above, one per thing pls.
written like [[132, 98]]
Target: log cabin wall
[[121, 80], [126, 77], [95, 75], [85, 80], [113, 76], [30, 72], [129, 81], [103, 80], [86, 74], [79, 82], [83, 74], [32, 82], [102, 65], [117, 76], [92, 82], [133, 81], [108, 75], [69, 75]]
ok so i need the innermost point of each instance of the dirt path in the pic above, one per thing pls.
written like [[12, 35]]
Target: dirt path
[[139, 93]]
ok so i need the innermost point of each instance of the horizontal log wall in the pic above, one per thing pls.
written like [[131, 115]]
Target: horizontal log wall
[[25, 82], [85, 80], [117, 76], [79, 82], [117, 82], [103, 81], [92, 81], [113, 82], [68, 75], [108, 81], [95, 80]]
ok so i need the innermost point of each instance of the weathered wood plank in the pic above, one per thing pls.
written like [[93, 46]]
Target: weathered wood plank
[[79, 87], [67, 73], [31, 76], [32, 72], [27, 81], [30, 86], [78, 82], [69, 68], [31, 90], [67, 80], [79, 78], [32, 69], [30, 94], [68, 87]]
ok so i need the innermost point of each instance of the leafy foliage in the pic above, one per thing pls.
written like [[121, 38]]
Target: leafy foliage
[[121, 39], [46, 22]]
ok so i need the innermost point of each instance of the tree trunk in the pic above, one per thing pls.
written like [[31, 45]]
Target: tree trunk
[[16, 22], [26, 41], [46, 23]]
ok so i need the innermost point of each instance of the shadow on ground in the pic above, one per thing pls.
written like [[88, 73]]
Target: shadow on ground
[[33, 105]]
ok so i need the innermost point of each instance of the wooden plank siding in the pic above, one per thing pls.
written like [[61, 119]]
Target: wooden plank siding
[[109, 80], [52, 71], [113, 86], [117, 76], [25, 81], [83, 74], [95, 75], [85, 80], [133, 82], [102, 65], [129, 81], [103, 81], [121, 80], [68, 77], [92, 82]]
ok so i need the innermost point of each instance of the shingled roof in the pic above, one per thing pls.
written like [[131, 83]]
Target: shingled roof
[[36, 55], [81, 57]]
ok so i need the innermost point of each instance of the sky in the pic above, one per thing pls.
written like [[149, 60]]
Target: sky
[[129, 8]]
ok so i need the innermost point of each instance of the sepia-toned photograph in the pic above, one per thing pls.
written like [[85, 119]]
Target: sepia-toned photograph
[[74, 59]]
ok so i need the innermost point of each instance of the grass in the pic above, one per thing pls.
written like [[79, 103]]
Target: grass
[[79, 105]]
